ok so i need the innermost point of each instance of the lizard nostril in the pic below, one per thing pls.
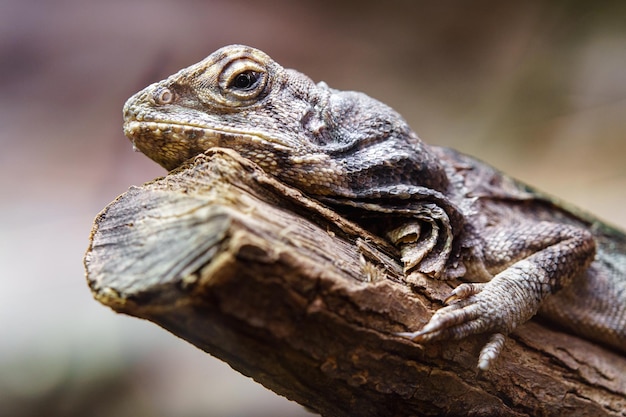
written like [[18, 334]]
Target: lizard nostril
[[163, 95]]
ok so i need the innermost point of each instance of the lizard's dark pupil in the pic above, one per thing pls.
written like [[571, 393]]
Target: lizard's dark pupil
[[245, 80]]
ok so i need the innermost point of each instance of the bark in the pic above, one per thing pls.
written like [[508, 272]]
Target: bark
[[306, 303]]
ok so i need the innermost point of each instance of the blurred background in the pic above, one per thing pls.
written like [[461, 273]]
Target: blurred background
[[537, 89]]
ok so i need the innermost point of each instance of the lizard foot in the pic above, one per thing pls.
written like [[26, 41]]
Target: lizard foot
[[492, 307]]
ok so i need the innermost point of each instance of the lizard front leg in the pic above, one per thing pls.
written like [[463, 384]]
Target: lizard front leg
[[531, 262]]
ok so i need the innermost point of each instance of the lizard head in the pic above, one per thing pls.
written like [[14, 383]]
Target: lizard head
[[324, 141]]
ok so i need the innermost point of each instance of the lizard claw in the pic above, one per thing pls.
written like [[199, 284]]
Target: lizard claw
[[420, 335], [464, 291], [444, 324]]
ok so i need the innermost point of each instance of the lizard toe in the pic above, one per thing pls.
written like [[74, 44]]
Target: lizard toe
[[451, 322], [491, 351], [464, 291]]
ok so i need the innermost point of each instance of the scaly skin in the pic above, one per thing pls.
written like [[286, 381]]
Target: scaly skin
[[519, 251]]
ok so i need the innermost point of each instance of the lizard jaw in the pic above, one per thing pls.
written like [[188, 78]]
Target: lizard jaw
[[171, 143]]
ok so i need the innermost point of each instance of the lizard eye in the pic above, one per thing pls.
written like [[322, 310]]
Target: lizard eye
[[245, 81]]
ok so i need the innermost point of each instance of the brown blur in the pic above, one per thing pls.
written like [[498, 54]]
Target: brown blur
[[537, 89]]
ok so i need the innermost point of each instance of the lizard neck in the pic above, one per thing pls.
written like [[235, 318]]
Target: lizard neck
[[371, 143]]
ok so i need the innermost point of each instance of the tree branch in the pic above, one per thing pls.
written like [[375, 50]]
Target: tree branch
[[307, 303]]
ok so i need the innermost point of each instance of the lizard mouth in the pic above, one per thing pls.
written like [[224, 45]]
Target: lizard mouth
[[172, 143], [141, 131]]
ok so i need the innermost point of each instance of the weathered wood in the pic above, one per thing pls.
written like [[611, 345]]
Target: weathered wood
[[307, 303]]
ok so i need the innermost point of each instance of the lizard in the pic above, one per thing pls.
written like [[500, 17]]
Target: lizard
[[517, 251]]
